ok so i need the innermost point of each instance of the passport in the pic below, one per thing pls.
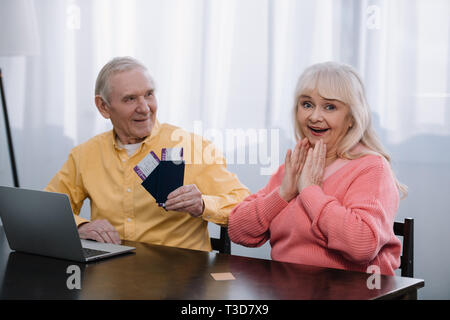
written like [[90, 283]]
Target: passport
[[165, 178], [161, 177]]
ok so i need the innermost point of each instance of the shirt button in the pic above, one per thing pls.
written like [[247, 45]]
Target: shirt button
[[129, 190], [123, 160], [129, 219]]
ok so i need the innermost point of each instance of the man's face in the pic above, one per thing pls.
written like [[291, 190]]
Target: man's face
[[132, 105]]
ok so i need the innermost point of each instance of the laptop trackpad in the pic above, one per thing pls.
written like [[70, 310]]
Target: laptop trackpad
[[109, 247]]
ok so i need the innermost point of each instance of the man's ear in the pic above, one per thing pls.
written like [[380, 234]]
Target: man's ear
[[102, 107]]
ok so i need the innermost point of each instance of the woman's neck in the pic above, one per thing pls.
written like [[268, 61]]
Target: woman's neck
[[330, 158]]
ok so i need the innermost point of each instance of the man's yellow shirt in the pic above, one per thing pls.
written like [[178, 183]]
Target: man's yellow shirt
[[103, 172]]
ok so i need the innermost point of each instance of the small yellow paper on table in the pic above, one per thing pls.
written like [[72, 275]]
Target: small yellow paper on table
[[222, 276]]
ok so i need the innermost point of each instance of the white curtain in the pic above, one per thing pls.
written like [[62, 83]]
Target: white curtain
[[233, 64], [229, 64]]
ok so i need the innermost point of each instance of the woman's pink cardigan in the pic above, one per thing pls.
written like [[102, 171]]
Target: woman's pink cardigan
[[347, 223]]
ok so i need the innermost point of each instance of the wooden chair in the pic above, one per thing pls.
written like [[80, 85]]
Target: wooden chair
[[223, 244], [405, 229]]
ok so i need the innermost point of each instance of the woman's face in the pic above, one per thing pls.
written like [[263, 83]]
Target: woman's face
[[323, 118]]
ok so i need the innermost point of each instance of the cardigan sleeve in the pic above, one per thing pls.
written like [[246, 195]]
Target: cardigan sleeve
[[362, 224], [250, 220]]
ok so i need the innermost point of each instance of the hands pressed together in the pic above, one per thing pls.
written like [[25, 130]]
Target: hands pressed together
[[303, 167]]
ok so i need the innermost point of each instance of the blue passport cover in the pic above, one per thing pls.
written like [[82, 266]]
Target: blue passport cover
[[165, 178]]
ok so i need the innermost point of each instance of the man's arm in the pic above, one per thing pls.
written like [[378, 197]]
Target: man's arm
[[214, 194], [68, 180]]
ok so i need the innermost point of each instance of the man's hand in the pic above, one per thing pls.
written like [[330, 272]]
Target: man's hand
[[187, 199], [99, 230]]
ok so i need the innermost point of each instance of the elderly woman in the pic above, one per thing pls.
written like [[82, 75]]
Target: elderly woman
[[333, 202]]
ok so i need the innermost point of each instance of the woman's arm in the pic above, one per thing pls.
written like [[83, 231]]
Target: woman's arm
[[362, 224], [249, 221]]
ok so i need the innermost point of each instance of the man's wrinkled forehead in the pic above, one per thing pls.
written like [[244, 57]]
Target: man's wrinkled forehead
[[132, 83]]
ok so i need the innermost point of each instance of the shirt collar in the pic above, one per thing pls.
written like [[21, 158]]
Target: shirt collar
[[155, 131]]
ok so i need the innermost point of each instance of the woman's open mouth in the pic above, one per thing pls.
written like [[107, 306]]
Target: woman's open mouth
[[318, 131]]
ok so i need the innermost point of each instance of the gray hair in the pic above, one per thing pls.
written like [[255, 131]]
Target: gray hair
[[116, 65]]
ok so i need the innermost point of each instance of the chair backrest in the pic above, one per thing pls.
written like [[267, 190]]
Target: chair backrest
[[405, 229], [223, 244]]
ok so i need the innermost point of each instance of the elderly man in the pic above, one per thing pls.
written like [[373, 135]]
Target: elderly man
[[101, 169]]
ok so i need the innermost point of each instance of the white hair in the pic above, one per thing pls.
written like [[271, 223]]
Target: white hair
[[118, 64]]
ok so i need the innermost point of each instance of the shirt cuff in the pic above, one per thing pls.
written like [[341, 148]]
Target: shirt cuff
[[211, 212], [79, 220]]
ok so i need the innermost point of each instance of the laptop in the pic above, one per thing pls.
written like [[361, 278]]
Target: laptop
[[42, 223]]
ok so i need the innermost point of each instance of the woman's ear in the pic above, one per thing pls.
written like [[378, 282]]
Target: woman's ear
[[102, 107], [351, 122]]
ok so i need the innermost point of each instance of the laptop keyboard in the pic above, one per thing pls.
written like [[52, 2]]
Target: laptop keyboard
[[92, 252]]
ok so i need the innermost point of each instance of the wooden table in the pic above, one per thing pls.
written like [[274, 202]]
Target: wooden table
[[160, 272]]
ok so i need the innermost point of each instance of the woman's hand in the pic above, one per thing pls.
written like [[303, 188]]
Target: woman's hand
[[293, 165], [314, 167]]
